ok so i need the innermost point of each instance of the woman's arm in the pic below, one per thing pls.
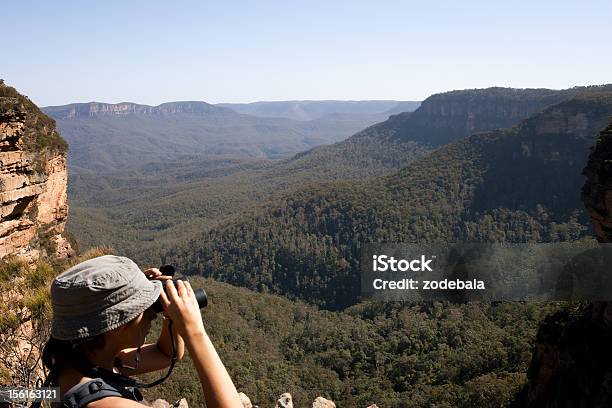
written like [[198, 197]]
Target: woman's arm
[[153, 357], [182, 307], [218, 387], [164, 343]]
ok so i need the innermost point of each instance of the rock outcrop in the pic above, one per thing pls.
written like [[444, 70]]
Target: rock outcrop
[[448, 116], [33, 179], [572, 362], [160, 403], [597, 191], [321, 402], [284, 401], [442, 118], [246, 401]]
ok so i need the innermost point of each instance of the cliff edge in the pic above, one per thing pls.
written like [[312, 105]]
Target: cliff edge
[[33, 180], [572, 360]]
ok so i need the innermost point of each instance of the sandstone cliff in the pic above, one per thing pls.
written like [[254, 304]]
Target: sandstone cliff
[[97, 109], [448, 116], [441, 119], [572, 361], [33, 178]]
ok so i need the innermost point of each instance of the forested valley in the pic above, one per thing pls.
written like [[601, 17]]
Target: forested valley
[[494, 165]]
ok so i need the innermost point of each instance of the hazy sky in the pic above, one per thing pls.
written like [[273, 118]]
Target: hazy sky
[[59, 52]]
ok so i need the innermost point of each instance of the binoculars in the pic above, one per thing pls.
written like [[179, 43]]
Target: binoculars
[[200, 294]]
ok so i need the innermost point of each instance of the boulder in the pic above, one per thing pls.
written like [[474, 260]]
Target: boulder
[[321, 402], [284, 401]]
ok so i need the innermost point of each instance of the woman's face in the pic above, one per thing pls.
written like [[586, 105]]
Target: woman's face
[[138, 328]]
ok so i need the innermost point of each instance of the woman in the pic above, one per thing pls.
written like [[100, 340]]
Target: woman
[[102, 311]]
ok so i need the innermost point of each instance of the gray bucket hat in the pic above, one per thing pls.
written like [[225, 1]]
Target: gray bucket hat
[[99, 295]]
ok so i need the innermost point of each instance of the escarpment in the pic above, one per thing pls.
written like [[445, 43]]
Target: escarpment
[[33, 179], [572, 360], [98, 109], [441, 119], [597, 190]]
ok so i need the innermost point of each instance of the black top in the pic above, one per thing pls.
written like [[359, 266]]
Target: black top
[[93, 390]]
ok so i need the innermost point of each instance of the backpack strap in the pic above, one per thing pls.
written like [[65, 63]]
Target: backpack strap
[[95, 390]]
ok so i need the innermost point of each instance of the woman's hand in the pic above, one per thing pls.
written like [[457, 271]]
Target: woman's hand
[[155, 274], [181, 305]]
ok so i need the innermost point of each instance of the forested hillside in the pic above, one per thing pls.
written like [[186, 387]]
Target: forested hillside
[[394, 355], [147, 209], [515, 185]]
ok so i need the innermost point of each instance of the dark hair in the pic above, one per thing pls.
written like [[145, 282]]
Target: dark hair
[[59, 353]]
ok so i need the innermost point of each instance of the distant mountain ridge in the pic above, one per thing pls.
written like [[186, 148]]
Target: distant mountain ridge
[[93, 109], [110, 137], [295, 110], [310, 110]]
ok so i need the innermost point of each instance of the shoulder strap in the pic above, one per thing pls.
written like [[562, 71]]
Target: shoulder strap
[[94, 390]]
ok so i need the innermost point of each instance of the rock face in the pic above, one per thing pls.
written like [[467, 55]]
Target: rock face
[[442, 118], [33, 179], [95, 109], [572, 362], [597, 191], [451, 115], [540, 162]]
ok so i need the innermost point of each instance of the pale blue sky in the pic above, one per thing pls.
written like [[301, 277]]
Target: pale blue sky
[[151, 52]]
